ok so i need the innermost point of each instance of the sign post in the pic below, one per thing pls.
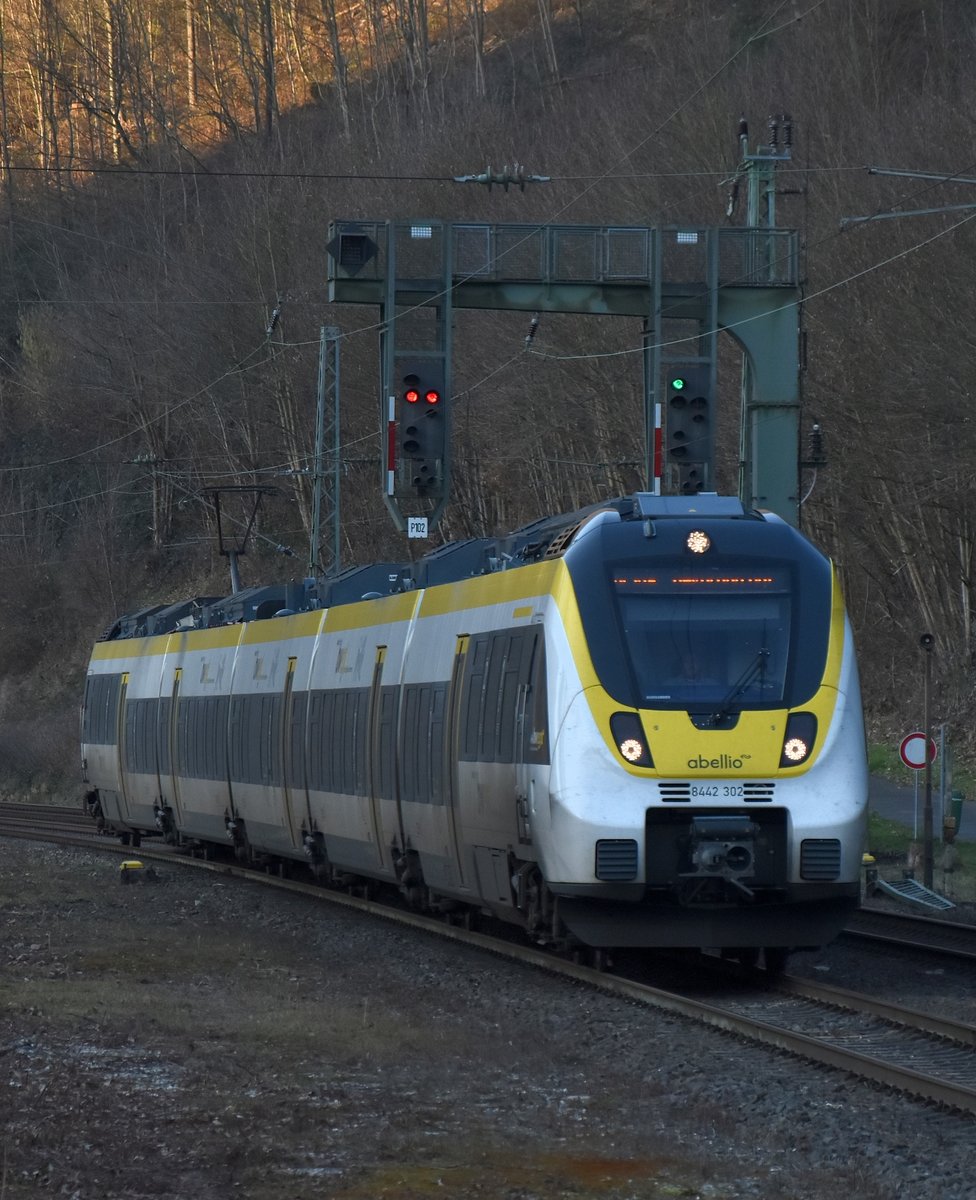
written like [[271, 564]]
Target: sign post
[[912, 753], [927, 641]]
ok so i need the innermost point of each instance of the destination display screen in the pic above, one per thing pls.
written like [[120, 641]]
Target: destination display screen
[[669, 581]]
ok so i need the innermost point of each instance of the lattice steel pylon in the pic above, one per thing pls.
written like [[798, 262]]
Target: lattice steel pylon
[[326, 475]]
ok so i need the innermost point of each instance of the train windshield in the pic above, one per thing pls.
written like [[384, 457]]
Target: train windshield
[[695, 639]]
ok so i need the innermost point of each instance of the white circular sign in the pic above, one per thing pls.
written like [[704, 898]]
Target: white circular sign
[[912, 751]]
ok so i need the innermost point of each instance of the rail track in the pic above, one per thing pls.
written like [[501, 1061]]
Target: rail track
[[949, 939], [47, 822], [917, 1053]]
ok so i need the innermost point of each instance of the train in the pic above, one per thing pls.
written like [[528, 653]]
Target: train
[[637, 725]]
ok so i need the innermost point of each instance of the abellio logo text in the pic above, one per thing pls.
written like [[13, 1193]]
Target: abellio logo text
[[724, 762]]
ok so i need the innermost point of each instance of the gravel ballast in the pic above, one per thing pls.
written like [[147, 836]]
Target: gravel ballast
[[196, 1037]]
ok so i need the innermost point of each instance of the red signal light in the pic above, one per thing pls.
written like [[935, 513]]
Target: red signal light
[[432, 396], [411, 395]]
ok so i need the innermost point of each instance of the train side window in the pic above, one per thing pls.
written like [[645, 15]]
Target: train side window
[[189, 726], [266, 740], [201, 741], [314, 745], [237, 739], [435, 725], [101, 713], [337, 721], [422, 780], [184, 724], [164, 708], [296, 744], [515, 675], [474, 697], [214, 764], [207, 745], [491, 714], [145, 759], [132, 749], [180, 747], [130, 740], [344, 750], [362, 733], [331, 747], [499, 666], [321, 710], [410, 749], [387, 742], [535, 746]]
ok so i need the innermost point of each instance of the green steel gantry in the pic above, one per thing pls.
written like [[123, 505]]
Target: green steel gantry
[[743, 281]]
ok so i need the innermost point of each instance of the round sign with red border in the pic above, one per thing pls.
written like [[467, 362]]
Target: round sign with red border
[[912, 751]]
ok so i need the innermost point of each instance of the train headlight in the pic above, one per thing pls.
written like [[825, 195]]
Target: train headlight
[[798, 740], [698, 541], [628, 737], [631, 749]]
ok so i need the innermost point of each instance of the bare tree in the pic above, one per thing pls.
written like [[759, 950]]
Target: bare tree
[[192, 79], [548, 41], [476, 16], [340, 66]]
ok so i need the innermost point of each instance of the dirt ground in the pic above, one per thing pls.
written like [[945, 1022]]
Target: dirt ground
[[193, 1038], [198, 1039]]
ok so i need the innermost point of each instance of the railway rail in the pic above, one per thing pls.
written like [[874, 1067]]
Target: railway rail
[[917, 1053], [950, 939], [46, 821]]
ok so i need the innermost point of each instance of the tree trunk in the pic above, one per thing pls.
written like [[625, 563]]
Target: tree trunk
[[339, 64], [192, 79], [8, 175], [476, 10], [545, 20], [268, 67]]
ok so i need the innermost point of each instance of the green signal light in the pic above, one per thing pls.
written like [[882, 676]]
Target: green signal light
[[678, 383]]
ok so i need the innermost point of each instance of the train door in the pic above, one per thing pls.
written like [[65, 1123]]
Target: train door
[[293, 785], [120, 735], [170, 735], [452, 751], [530, 732], [379, 759]]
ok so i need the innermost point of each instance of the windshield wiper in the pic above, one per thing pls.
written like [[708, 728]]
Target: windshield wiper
[[756, 667]]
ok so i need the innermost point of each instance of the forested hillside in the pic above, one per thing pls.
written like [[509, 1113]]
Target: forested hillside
[[170, 168]]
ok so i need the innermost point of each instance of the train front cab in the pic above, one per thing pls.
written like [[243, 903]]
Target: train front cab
[[738, 782]]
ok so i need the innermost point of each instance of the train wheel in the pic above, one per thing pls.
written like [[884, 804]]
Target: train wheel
[[774, 959]]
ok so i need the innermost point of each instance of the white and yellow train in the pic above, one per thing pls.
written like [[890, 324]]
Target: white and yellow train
[[638, 725]]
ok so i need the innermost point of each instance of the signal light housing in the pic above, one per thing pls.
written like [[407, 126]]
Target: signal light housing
[[689, 426], [422, 427]]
